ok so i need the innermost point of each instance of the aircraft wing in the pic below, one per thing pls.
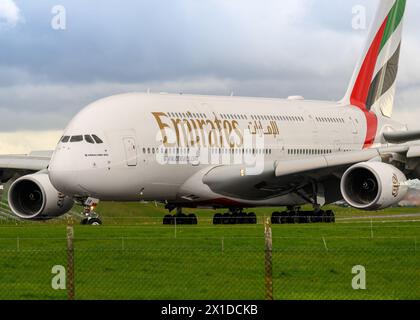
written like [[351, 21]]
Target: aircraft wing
[[10, 165], [296, 175]]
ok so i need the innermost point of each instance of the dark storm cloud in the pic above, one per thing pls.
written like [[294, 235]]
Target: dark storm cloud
[[262, 48], [137, 41], [161, 40]]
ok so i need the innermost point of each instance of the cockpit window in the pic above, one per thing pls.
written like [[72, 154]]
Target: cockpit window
[[89, 139], [76, 138], [96, 138], [79, 138]]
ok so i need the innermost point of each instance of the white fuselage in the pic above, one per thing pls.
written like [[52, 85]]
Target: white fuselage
[[141, 133]]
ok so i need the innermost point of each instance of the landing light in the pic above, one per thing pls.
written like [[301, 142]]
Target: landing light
[[242, 172]]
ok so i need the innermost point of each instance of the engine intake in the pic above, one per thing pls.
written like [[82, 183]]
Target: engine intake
[[373, 186], [33, 197]]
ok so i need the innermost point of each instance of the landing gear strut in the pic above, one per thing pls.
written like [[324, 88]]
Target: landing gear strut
[[294, 215], [91, 217], [180, 218]]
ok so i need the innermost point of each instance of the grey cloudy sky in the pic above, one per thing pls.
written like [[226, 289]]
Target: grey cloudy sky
[[253, 48]]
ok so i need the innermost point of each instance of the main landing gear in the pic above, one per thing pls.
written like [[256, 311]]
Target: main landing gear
[[180, 218], [90, 216], [235, 217], [294, 215]]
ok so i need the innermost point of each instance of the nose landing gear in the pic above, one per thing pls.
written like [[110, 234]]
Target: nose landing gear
[[90, 216]]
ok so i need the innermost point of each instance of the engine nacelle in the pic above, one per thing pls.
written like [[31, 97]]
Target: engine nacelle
[[373, 186], [33, 197]]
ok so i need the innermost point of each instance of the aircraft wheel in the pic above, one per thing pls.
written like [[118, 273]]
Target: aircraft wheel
[[330, 216], [317, 216], [234, 218], [283, 217], [325, 218], [192, 219], [241, 218], [181, 219], [252, 218], [299, 217], [226, 218], [321, 216], [217, 218], [94, 222], [188, 219], [168, 219], [276, 218], [291, 217], [304, 218]]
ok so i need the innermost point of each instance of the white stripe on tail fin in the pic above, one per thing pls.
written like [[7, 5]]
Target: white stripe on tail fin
[[373, 83], [372, 87]]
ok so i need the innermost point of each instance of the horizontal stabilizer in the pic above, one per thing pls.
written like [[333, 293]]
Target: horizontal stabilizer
[[401, 136]]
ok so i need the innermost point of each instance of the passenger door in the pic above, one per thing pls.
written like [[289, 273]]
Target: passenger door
[[123, 148], [353, 126], [130, 151]]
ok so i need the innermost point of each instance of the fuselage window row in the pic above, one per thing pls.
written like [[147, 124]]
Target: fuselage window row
[[183, 115], [278, 118], [290, 118], [329, 120], [297, 152], [149, 150]]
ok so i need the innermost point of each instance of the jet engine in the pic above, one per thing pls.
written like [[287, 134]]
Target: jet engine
[[33, 197], [373, 186]]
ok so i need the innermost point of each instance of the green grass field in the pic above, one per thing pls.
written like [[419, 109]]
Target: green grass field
[[133, 256]]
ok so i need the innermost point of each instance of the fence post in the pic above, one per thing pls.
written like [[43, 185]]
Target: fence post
[[70, 260], [175, 227], [223, 245], [371, 228], [268, 259]]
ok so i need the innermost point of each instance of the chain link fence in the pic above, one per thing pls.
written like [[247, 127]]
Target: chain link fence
[[261, 264]]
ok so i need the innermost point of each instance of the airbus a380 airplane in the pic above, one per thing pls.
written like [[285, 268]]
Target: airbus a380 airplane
[[230, 152]]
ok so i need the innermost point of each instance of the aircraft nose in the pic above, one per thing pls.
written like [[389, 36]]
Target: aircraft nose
[[61, 180], [63, 175]]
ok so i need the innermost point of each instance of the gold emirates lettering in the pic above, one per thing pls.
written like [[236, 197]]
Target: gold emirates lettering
[[198, 132]]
